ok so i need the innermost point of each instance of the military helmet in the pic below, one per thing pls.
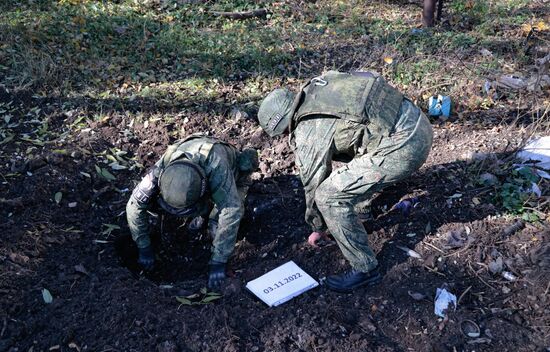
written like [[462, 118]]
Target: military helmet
[[182, 185], [275, 111]]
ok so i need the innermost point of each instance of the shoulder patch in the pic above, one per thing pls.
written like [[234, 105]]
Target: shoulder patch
[[146, 189]]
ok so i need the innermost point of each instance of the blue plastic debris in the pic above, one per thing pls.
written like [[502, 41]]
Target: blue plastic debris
[[439, 106], [405, 206]]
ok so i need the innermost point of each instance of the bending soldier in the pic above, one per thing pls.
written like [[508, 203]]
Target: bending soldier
[[190, 176], [359, 119]]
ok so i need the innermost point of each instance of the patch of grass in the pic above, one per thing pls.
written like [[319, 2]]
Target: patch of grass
[[413, 73]]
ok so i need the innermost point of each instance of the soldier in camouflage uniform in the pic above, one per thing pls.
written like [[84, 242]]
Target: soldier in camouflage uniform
[[359, 119], [191, 176]]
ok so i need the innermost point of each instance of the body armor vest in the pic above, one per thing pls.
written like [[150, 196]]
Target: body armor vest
[[362, 99]]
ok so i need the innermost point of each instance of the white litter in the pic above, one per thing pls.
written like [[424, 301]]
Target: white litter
[[443, 300], [537, 154]]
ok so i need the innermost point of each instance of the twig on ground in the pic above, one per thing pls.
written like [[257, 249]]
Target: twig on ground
[[434, 271], [463, 294], [479, 277], [240, 15], [434, 247], [4, 326], [15, 202]]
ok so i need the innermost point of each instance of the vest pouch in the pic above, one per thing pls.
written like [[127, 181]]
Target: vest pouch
[[383, 107]]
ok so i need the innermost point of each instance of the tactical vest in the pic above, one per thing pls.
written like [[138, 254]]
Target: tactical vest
[[362, 99], [199, 152]]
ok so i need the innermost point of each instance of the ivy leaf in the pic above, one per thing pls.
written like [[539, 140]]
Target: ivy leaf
[[184, 300], [209, 299]]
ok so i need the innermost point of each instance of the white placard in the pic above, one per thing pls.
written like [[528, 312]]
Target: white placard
[[281, 284]]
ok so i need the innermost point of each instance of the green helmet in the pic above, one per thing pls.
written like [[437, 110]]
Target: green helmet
[[182, 185], [276, 111]]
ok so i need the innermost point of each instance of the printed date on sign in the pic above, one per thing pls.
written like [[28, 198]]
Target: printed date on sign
[[278, 284]]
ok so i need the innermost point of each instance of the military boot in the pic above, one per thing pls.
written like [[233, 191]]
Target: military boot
[[352, 279]]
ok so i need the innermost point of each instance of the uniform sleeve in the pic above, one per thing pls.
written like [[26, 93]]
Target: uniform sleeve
[[313, 151], [228, 202], [311, 181], [136, 208]]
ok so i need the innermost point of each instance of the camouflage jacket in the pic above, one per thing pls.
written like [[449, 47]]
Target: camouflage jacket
[[221, 166], [336, 117], [316, 142]]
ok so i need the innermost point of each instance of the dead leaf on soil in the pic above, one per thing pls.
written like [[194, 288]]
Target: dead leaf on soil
[[81, 269], [47, 296], [417, 296]]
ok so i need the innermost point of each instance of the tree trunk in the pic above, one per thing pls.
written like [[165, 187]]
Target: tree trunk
[[428, 13]]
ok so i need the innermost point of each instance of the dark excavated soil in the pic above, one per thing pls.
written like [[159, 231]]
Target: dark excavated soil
[[102, 303]]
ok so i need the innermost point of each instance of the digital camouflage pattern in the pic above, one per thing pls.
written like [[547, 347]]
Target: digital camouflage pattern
[[331, 196], [227, 172]]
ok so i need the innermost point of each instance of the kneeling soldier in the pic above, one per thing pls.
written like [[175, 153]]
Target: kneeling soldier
[[359, 119], [191, 175]]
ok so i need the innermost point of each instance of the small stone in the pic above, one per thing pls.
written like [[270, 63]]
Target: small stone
[[167, 346]]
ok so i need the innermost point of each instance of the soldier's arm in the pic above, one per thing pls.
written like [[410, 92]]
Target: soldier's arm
[[313, 215], [136, 208], [229, 205]]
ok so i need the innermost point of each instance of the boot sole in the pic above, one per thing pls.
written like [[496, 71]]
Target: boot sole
[[371, 281]]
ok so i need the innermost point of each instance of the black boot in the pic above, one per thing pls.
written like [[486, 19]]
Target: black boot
[[352, 279]]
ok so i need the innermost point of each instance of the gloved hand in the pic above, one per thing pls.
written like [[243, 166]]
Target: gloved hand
[[216, 277], [317, 236], [146, 258]]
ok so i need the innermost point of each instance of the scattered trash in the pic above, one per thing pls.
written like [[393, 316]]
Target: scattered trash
[[511, 82], [485, 52], [533, 83], [406, 205], [535, 189], [47, 296], [537, 154], [470, 328], [417, 296], [509, 276], [496, 266], [488, 179], [72, 205], [515, 227], [409, 252], [74, 346], [443, 301], [439, 106], [238, 114], [418, 31], [457, 239], [480, 340]]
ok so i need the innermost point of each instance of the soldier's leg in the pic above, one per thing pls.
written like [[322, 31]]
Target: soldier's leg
[[396, 158]]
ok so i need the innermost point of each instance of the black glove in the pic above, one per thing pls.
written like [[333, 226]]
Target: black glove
[[216, 277], [146, 258]]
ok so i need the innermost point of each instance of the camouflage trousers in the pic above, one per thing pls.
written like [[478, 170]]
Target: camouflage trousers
[[396, 157]]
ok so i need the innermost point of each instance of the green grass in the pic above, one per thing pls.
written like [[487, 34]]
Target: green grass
[[97, 48]]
